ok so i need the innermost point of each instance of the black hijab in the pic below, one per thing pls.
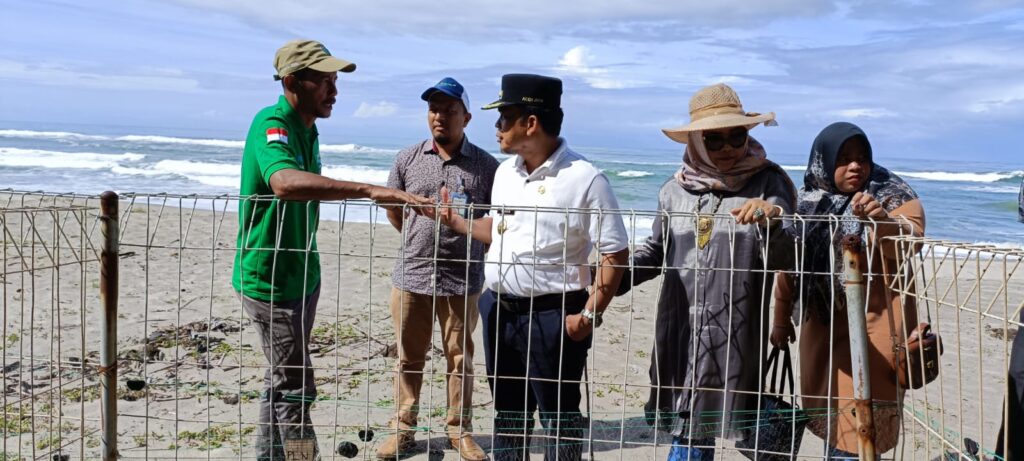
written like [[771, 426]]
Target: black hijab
[[820, 197]]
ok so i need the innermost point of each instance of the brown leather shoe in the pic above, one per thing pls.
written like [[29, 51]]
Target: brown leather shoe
[[468, 449], [401, 443]]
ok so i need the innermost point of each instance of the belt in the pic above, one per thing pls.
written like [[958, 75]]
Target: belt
[[575, 301]]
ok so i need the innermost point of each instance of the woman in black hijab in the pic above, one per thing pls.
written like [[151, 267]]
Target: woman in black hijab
[[846, 193]]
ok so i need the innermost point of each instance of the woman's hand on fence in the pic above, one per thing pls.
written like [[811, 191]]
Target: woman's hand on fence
[[782, 335], [755, 210], [577, 327], [866, 206]]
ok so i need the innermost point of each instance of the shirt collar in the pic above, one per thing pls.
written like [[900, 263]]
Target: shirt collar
[[464, 148], [548, 166], [292, 116]]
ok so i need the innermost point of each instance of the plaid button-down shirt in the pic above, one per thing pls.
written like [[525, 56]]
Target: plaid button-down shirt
[[420, 170]]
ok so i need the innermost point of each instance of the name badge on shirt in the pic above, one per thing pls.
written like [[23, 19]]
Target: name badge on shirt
[[460, 200]]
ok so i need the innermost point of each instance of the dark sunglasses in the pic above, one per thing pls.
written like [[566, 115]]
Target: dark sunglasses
[[716, 141], [507, 119]]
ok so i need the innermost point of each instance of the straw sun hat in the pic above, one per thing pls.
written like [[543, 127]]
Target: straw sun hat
[[717, 106]]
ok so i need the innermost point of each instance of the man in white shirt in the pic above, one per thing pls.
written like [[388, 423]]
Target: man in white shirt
[[550, 208]]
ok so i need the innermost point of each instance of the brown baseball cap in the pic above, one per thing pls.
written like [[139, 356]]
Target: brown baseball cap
[[302, 54]]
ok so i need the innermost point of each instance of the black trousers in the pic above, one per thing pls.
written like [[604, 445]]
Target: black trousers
[[1012, 430], [289, 390], [532, 364]]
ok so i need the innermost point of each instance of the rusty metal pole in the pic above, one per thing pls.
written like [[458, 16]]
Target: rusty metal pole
[[108, 346], [856, 305]]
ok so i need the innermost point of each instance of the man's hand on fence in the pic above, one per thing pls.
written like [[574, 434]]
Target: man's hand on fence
[[577, 327], [387, 197], [782, 335], [447, 215]]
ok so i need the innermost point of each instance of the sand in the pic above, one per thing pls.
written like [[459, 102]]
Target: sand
[[183, 338]]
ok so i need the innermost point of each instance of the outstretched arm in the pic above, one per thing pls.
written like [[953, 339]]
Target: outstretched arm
[[291, 184]]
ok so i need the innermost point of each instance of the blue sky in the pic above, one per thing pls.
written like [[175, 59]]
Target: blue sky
[[925, 79]]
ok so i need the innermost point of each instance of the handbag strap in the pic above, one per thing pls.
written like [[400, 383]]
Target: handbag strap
[[774, 365], [771, 366], [787, 373]]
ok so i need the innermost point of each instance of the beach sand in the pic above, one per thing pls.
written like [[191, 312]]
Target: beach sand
[[181, 331]]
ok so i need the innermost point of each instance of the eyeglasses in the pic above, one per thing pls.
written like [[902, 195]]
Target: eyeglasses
[[506, 119], [715, 140]]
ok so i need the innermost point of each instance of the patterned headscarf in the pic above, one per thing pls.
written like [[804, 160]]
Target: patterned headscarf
[[699, 174], [820, 196]]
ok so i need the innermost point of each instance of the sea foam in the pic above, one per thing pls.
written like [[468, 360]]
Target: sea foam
[[16, 157], [173, 140], [961, 177], [633, 174]]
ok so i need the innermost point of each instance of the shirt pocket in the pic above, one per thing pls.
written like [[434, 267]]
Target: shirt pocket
[[546, 232]]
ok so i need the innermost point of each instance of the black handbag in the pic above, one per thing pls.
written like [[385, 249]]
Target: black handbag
[[778, 428]]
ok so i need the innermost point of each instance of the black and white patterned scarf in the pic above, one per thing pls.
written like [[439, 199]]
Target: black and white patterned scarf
[[820, 197]]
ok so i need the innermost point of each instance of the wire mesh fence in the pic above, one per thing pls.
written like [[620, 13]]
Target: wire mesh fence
[[50, 300], [191, 363]]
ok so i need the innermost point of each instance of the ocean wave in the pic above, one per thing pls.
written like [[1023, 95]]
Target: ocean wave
[[356, 173], [228, 175], [633, 174], [961, 177], [174, 140], [353, 149], [28, 134], [15, 157], [154, 139], [188, 167], [993, 176], [993, 189], [633, 162]]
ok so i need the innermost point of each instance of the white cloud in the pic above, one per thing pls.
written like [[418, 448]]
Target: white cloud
[[1005, 99], [483, 17], [379, 109], [577, 59], [732, 80], [59, 74], [864, 112], [577, 62]]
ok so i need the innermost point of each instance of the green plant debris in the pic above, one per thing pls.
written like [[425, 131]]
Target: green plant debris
[[82, 394], [333, 333], [16, 420], [53, 440], [214, 437]]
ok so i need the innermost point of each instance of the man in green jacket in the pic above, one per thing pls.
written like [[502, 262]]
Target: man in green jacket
[[277, 266]]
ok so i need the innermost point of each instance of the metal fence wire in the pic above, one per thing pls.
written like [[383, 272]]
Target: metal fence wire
[[189, 364]]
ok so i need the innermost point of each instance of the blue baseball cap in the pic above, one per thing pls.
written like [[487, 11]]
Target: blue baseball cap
[[450, 87]]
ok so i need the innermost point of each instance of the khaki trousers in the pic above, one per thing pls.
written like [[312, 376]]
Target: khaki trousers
[[413, 317]]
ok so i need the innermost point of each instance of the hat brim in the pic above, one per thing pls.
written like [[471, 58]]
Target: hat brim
[[430, 92], [497, 104], [715, 122], [333, 64]]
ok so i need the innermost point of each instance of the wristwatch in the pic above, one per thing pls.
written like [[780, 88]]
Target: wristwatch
[[593, 317]]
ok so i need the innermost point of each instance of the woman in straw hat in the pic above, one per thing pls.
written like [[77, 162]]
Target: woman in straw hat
[[716, 238], [843, 182]]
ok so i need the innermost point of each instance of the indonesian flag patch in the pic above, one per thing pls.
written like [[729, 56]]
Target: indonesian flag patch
[[277, 135]]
